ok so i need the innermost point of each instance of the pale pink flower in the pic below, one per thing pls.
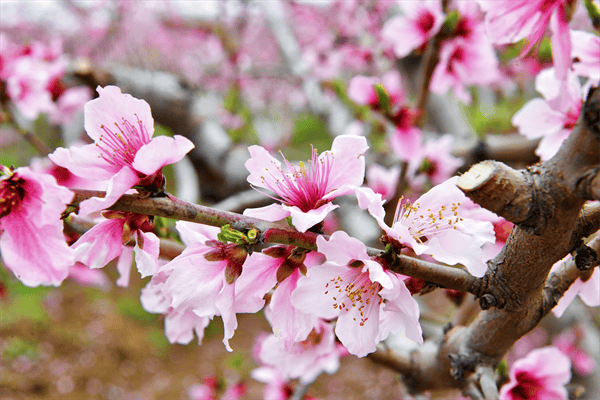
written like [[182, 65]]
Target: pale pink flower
[[567, 342], [89, 277], [420, 21], [305, 360], [69, 102], [361, 90], [306, 191], [279, 267], [553, 117], [382, 180], [406, 139], [31, 230], [278, 385], [509, 21], [27, 86], [464, 62], [588, 291], [105, 242], [541, 375], [203, 279], [434, 163], [586, 54], [439, 226], [124, 151], [180, 324], [368, 301]]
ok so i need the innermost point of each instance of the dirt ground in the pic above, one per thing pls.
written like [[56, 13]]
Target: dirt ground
[[79, 343]]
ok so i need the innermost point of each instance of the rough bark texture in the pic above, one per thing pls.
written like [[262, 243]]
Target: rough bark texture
[[545, 202]]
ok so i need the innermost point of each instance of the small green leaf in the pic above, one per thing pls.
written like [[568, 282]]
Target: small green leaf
[[450, 21]]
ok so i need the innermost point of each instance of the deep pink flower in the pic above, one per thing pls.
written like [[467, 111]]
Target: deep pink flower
[[31, 231], [306, 191], [567, 342], [541, 375], [553, 117], [123, 151], [437, 225], [420, 22], [368, 301], [306, 359], [509, 21]]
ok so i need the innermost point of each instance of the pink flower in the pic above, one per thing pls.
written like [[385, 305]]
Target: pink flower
[[509, 21], [368, 301], [277, 386], [420, 22], [433, 162], [304, 360], [124, 151], [203, 279], [31, 231], [464, 62], [588, 291], [438, 225], [89, 277], [567, 342], [383, 181], [180, 324], [27, 85], [541, 375], [406, 139], [71, 100], [586, 54], [105, 242], [306, 191], [361, 90], [552, 118], [279, 267]]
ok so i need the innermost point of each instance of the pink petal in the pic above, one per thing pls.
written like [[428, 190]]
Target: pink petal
[[124, 266], [305, 220], [84, 161], [272, 212], [146, 258], [120, 183], [161, 151], [101, 244], [112, 107]]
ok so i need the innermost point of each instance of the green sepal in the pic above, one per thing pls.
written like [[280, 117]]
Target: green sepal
[[593, 13], [383, 97]]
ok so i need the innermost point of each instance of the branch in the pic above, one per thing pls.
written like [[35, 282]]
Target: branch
[[277, 232]]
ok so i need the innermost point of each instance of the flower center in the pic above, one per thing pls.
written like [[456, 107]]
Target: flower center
[[120, 146], [11, 194], [305, 185], [358, 292], [527, 388], [423, 224], [425, 21]]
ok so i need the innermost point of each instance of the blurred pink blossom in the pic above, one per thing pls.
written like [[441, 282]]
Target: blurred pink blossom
[[383, 181], [420, 21], [541, 375], [553, 117]]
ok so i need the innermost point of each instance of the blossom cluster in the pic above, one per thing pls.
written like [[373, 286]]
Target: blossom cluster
[[339, 297]]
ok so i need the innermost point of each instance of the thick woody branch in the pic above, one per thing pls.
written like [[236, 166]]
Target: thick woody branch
[[546, 202]]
